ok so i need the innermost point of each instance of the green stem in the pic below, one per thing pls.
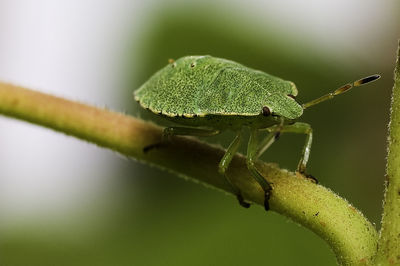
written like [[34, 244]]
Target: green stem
[[351, 236], [389, 240]]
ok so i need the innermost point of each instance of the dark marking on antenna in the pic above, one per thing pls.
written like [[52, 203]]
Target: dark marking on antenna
[[342, 89], [366, 80]]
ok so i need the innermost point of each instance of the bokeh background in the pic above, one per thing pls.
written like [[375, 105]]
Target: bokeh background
[[67, 202]]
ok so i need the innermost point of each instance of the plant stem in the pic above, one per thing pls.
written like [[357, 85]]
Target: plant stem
[[351, 236], [389, 240]]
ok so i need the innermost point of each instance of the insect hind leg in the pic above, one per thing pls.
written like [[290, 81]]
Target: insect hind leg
[[224, 164], [168, 132]]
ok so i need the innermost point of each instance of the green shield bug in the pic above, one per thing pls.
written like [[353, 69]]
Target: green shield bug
[[207, 95]]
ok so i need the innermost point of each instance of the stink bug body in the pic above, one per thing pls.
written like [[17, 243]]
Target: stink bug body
[[208, 95]]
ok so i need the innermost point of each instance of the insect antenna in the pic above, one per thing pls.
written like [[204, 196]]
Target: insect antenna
[[341, 90]]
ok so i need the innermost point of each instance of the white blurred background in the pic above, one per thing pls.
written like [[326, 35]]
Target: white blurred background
[[71, 49]]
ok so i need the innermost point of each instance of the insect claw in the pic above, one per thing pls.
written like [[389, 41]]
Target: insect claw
[[311, 178], [242, 202], [266, 200], [308, 176], [266, 205]]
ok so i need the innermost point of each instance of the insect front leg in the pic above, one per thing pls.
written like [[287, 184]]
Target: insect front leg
[[183, 131], [274, 133], [253, 151], [302, 128], [267, 142], [224, 164]]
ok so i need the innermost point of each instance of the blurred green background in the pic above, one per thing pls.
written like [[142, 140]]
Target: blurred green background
[[146, 216]]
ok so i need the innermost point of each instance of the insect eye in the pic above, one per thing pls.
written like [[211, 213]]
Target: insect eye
[[292, 96], [266, 111], [193, 65]]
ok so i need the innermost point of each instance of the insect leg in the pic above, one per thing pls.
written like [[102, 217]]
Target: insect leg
[[175, 131], [224, 164], [252, 151], [274, 134], [302, 128], [267, 142], [230, 152]]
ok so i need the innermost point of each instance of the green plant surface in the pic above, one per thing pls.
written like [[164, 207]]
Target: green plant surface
[[389, 239]]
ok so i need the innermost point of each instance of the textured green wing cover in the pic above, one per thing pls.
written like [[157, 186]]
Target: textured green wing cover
[[202, 85]]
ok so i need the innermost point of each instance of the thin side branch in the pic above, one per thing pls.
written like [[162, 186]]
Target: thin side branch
[[351, 236], [389, 240]]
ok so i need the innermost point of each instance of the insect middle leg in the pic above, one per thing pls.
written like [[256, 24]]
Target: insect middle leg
[[223, 166], [254, 150], [183, 131]]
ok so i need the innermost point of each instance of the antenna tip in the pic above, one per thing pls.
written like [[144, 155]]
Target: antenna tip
[[367, 80]]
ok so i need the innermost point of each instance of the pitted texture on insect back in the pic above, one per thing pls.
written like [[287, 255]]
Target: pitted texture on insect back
[[204, 85]]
